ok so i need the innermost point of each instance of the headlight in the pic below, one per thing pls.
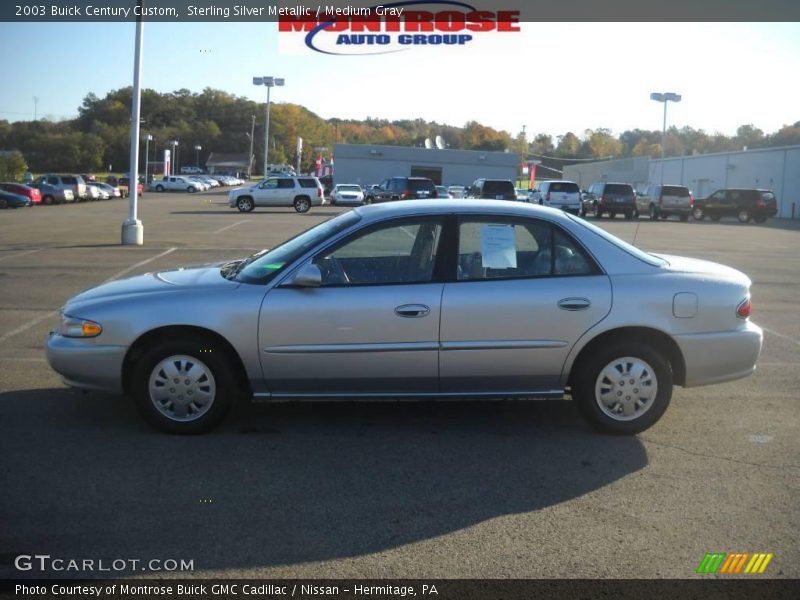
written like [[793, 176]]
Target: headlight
[[78, 328]]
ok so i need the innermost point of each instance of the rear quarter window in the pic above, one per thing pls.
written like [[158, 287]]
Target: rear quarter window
[[307, 183]]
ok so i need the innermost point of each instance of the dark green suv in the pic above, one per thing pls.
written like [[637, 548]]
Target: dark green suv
[[744, 204]]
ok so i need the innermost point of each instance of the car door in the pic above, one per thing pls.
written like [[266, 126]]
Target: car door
[[715, 204], [525, 292], [285, 192], [370, 329], [733, 198], [265, 194]]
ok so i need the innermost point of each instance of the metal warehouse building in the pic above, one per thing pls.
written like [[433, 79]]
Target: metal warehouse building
[[776, 169], [368, 164]]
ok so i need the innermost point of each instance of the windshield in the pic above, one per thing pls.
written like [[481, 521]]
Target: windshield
[[629, 248], [264, 265]]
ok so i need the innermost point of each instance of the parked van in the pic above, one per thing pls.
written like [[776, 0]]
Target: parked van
[[559, 193], [661, 201], [74, 183]]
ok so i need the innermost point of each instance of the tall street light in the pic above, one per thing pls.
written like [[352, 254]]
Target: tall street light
[[132, 228], [665, 98], [269, 82], [197, 149], [174, 144], [147, 139]]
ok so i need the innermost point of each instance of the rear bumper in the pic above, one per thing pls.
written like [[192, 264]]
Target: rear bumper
[[86, 366], [720, 356]]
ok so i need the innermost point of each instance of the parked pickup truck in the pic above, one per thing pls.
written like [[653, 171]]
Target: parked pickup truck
[[124, 185], [175, 184]]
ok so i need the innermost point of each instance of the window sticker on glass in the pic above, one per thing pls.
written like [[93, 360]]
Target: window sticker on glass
[[498, 247]]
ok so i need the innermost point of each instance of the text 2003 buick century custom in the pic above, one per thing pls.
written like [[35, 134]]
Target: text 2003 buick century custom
[[418, 299]]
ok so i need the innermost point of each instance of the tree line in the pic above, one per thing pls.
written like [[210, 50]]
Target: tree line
[[99, 138]]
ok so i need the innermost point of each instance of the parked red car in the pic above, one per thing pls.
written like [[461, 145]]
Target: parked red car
[[23, 190]]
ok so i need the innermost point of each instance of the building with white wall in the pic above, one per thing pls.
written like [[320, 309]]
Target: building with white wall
[[776, 169]]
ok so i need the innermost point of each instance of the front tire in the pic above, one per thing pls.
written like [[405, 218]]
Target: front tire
[[159, 188], [245, 204], [183, 386], [744, 216], [48, 200], [302, 204], [623, 388]]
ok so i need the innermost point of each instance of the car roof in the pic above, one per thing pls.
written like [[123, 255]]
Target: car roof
[[412, 208]]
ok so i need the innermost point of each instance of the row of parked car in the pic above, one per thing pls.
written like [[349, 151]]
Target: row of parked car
[[60, 189], [193, 183]]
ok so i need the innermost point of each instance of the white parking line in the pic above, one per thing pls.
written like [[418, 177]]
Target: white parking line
[[53, 313], [19, 254], [782, 336], [230, 226]]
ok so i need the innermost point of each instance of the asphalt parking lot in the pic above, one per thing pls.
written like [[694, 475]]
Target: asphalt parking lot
[[457, 489]]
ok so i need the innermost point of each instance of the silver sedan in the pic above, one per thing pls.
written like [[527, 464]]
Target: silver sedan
[[417, 300]]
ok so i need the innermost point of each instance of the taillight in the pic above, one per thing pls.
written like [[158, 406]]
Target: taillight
[[691, 200], [405, 195], [745, 308], [319, 192]]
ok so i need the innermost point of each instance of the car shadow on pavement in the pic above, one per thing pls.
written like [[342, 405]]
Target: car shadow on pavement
[[283, 484]]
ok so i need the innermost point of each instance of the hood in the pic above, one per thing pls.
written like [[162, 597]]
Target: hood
[[206, 277], [682, 264]]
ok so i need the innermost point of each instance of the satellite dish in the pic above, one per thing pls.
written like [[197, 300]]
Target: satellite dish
[[440, 142], [428, 143]]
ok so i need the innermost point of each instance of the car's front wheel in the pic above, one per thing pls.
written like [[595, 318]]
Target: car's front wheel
[[245, 204], [183, 386], [302, 204], [191, 189], [623, 388], [744, 216], [159, 188]]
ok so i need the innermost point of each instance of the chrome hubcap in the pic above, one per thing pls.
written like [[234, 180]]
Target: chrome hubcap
[[244, 204], [302, 205], [182, 388], [626, 388]]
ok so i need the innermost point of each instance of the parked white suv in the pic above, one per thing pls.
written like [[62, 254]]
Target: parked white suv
[[559, 193], [300, 192]]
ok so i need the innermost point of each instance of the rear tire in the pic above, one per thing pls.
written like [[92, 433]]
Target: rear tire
[[48, 200], [302, 204], [760, 219], [607, 398], [167, 402], [698, 213], [744, 216]]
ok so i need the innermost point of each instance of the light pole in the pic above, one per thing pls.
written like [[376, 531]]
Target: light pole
[[664, 97], [174, 144], [132, 228], [197, 149], [148, 138], [268, 81], [250, 156]]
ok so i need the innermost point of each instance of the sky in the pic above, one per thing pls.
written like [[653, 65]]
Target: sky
[[550, 77]]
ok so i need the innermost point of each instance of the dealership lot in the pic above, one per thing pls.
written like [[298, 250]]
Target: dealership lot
[[457, 489]]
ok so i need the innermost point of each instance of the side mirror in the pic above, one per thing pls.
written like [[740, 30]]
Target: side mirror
[[307, 276]]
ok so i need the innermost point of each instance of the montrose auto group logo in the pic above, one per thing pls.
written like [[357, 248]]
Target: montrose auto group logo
[[393, 27]]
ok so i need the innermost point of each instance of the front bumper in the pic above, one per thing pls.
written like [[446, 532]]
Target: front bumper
[[86, 365], [720, 356]]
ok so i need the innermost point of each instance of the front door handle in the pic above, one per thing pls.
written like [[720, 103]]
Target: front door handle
[[574, 304], [411, 311]]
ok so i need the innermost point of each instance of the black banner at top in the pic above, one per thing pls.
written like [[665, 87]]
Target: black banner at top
[[320, 11]]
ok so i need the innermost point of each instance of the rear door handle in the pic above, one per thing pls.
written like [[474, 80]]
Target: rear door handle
[[574, 304], [411, 311]]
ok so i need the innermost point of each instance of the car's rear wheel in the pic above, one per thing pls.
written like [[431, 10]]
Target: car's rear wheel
[[3, 203], [623, 388], [159, 188], [245, 204], [698, 213], [302, 204], [48, 200], [191, 189], [744, 216], [760, 219], [183, 386]]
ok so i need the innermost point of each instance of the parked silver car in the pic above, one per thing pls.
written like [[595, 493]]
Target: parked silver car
[[417, 300]]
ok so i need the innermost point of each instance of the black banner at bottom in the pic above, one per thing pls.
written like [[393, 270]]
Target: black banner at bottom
[[436, 589]]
